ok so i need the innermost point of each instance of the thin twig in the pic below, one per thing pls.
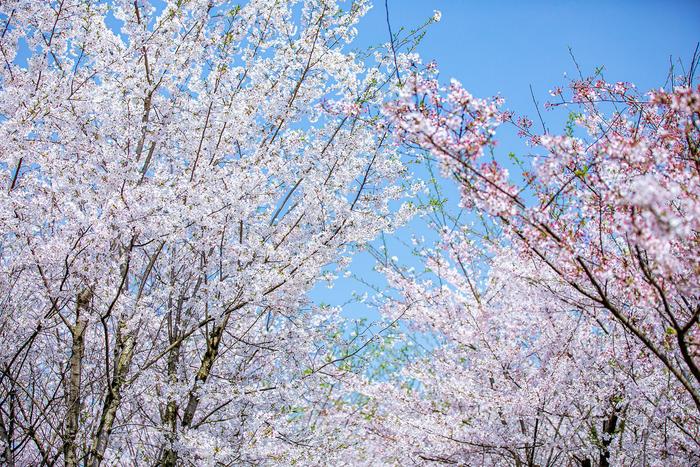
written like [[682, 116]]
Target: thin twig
[[391, 38]]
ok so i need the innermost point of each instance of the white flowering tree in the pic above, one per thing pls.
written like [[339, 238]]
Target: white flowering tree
[[176, 176], [566, 308]]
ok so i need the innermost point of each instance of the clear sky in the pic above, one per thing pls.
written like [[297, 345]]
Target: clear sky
[[503, 47]]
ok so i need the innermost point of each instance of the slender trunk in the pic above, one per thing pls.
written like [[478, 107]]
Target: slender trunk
[[75, 368], [73, 402], [171, 410], [609, 427], [123, 352], [202, 375], [7, 457], [170, 416], [169, 457]]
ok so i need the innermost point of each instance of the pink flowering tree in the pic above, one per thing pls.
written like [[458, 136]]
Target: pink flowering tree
[[567, 322], [175, 178]]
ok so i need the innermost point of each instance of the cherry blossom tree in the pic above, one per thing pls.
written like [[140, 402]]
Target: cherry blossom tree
[[177, 175], [514, 374], [566, 319]]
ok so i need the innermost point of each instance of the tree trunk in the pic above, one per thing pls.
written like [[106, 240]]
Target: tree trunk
[[170, 418], [123, 354], [7, 457], [169, 457], [609, 427], [73, 402], [75, 368]]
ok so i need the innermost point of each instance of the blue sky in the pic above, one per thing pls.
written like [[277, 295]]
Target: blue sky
[[503, 47]]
